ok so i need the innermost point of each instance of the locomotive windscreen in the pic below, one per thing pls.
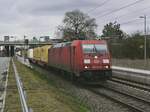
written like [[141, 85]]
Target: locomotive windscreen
[[94, 48]]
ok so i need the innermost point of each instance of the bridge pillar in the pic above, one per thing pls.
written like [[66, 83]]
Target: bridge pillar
[[7, 51], [12, 51]]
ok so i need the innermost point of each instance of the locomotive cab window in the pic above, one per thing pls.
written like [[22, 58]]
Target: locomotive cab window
[[94, 48]]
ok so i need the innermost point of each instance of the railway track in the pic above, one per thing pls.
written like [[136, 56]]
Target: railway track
[[133, 84], [133, 102], [21, 91], [127, 100], [133, 94]]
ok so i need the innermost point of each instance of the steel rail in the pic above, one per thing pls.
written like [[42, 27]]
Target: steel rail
[[116, 100], [131, 83], [94, 88], [126, 94], [20, 89]]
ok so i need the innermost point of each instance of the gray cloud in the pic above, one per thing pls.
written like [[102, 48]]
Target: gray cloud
[[56, 8], [41, 17]]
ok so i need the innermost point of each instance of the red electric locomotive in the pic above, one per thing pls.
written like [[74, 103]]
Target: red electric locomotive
[[82, 58]]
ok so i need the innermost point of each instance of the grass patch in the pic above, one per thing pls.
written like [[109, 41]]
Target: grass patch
[[44, 95]]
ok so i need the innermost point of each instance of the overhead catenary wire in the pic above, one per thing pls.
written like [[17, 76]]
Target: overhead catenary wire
[[125, 15], [111, 11], [118, 9], [115, 10], [100, 5], [126, 6], [130, 21], [135, 11]]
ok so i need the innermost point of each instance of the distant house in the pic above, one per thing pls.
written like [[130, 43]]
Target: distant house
[[6, 38]]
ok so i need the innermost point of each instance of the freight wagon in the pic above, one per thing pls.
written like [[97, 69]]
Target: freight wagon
[[40, 55], [30, 54]]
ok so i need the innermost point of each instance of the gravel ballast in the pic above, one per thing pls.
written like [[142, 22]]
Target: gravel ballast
[[95, 102]]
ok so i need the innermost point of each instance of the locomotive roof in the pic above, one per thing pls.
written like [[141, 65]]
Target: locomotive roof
[[78, 41], [89, 42]]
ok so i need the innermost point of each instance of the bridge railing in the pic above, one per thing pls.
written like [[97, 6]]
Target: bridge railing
[[23, 43]]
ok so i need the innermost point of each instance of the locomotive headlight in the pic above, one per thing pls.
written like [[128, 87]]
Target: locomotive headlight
[[87, 61], [106, 66], [86, 67], [95, 57], [105, 60]]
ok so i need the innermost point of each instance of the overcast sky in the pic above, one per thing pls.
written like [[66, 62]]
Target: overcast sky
[[41, 17]]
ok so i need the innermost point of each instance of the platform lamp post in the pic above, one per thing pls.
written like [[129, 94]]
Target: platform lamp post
[[145, 32]]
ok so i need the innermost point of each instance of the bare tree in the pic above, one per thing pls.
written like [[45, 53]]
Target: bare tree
[[78, 25]]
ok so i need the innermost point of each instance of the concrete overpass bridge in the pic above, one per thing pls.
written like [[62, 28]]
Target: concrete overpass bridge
[[10, 46]]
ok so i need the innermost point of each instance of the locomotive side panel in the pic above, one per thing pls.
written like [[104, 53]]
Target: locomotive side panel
[[60, 58], [76, 57]]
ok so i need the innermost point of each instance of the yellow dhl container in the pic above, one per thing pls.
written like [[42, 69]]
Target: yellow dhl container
[[44, 53], [36, 54]]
